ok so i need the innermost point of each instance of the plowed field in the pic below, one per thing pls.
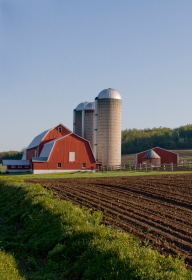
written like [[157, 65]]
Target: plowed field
[[153, 208]]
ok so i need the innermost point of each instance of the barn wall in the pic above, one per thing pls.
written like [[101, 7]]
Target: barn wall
[[166, 156], [17, 169], [34, 152], [53, 134], [60, 154]]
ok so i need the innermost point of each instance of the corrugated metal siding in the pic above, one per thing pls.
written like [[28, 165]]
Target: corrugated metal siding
[[166, 156], [32, 153]]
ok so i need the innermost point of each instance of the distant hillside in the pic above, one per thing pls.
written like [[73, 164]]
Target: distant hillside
[[137, 140]]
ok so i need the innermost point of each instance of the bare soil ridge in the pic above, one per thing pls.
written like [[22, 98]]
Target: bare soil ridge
[[153, 208]]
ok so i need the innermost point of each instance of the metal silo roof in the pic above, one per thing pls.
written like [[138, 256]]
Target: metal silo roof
[[81, 106], [109, 93], [151, 154], [90, 106]]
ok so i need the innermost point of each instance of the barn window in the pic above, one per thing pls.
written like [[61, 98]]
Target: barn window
[[13, 166], [71, 156], [59, 164], [19, 166], [84, 165], [26, 166], [60, 129]]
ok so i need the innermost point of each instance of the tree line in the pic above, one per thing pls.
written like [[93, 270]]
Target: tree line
[[137, 140], [10, 155]]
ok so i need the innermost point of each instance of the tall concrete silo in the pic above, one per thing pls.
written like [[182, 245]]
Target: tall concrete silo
[[83, 120], [107, 127]]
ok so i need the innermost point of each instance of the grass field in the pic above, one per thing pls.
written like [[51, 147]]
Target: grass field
[[88, 174], [2, 168]]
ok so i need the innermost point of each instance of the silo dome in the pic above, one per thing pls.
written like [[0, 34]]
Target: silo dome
[[90, 106], [109, 93], [81, 106]]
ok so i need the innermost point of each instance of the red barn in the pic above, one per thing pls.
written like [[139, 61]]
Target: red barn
[[56, 150], [163, 156]]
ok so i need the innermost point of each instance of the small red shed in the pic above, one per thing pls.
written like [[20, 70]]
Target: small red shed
[[164, 156]]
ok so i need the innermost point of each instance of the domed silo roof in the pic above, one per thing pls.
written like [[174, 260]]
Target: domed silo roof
[[151, 154], [81, 106], [90, 106], [109, 93]]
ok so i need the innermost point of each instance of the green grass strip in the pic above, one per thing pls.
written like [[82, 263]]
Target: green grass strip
[[88, 174], [52, 239], [8, 267]]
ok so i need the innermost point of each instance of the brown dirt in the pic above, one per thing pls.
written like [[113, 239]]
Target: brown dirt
[[153, 208]]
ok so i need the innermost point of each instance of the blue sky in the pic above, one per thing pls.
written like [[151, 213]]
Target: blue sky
[[55, 54]]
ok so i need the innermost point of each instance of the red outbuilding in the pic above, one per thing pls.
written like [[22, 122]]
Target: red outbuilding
[[157, 156], [55, 150]]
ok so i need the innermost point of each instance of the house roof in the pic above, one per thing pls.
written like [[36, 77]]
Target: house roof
[[151, 154], [15, 162]]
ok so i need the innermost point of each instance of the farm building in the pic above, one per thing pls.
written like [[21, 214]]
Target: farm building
[[100, 123], [55, 150], [156, 156]]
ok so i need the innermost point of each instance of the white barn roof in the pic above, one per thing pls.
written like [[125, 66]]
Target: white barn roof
[[37, 140], [15, 162], [24, 155], [39, 159]]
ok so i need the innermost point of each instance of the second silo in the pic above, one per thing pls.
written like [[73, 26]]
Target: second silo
[[83, 120], [108, 108]]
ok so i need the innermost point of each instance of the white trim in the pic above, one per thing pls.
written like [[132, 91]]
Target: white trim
[[39, 171], [17, 170], [72, 156]]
